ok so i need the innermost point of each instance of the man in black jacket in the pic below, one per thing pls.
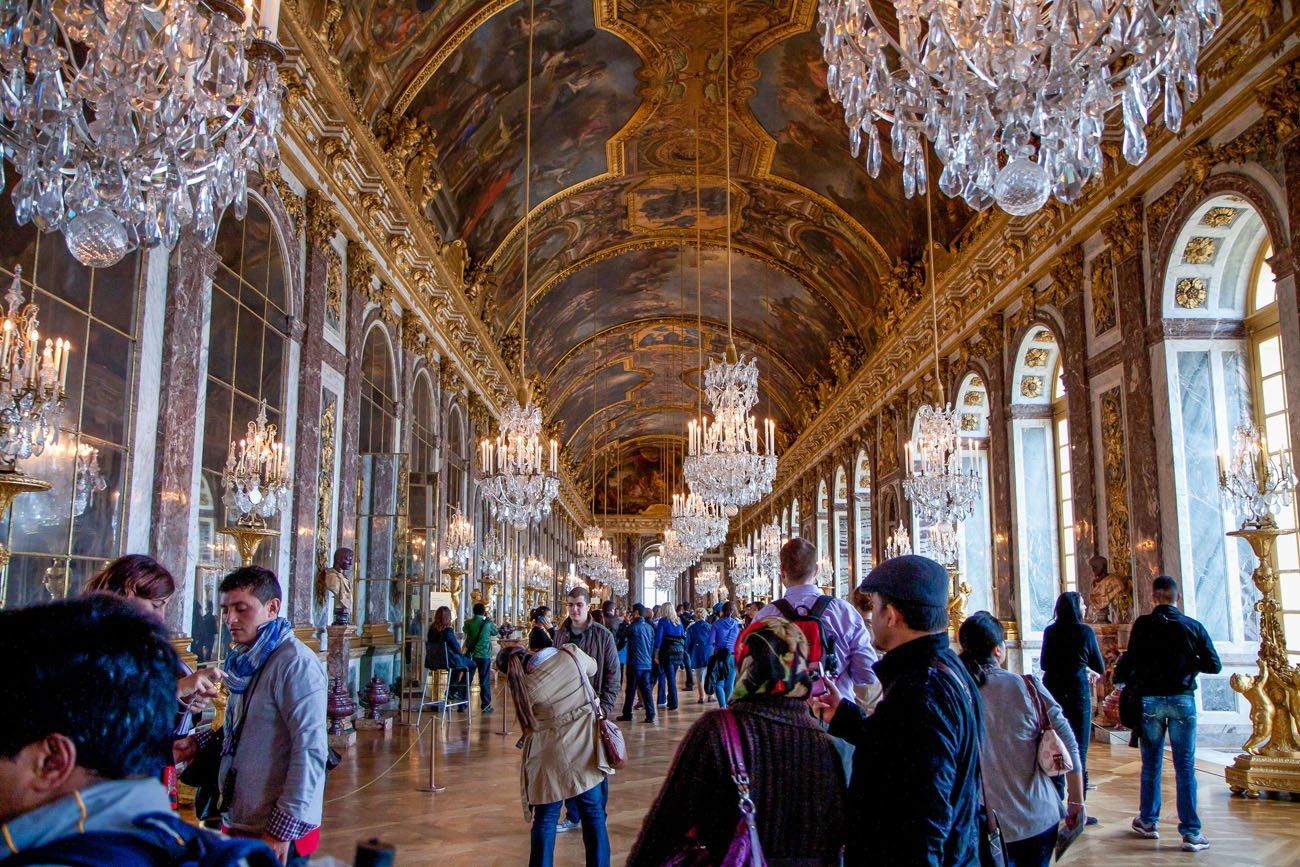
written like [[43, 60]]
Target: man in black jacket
[[915, 790], [1166, 650]]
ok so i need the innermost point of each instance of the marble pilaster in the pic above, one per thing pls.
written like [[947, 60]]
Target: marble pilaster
[[1083, 467], [1284, 264], [349, 462], [1004, 584], [185, 321]]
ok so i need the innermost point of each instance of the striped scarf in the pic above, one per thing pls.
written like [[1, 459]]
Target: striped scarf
[[241, 665]]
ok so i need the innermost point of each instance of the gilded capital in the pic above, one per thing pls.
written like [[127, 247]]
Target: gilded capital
[[322, 219], [361, 267], [1123, 231]]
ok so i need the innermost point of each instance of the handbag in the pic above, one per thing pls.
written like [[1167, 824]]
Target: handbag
[[1054, 757], [745, 850], [611, 736]]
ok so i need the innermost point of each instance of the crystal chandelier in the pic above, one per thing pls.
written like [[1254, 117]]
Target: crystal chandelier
[[573, 580], [1013, 96], [699, 524], [492, 561], [519, 479], [945, 543], [941, 490], [707, 579], [254, 479], [128, 120], [618, 585], [743, 570], [675, 554], [768, 555], [458, 541], [33, 377], [593, 552], [898, 544], [1254, 485], [79, 489], [538, 574]]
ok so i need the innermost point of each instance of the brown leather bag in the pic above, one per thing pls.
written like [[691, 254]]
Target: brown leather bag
[[611, 736]]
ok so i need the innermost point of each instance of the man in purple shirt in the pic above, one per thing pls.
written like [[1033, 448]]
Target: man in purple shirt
[[853, 648]]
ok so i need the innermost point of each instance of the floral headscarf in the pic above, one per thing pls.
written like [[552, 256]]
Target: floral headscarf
[[773, 658]]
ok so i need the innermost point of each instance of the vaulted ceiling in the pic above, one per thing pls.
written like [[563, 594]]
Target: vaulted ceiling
[[622, 92]]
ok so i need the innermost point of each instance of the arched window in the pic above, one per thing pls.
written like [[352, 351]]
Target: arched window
[[794, 518], [378, 395], [975, 557], [841, 524], [457, 460], [823, 528], [1044, 573], [248, 351], [1219, 271], [60, 537], [650, 595], [862, 516], [422, 498]]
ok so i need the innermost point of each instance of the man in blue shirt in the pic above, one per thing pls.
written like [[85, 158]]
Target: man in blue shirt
[[640, 637]]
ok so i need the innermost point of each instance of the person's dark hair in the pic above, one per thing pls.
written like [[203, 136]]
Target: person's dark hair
[[442, 618], [258, 580], [980, 634], [609, 609], [597, 616], [1164, 584], [799, 559], [577, 591], [133, 576], [729, 609], [97, 672], [480, 610], [538, 613], [922, 618], [511, 662], [1069, 608]]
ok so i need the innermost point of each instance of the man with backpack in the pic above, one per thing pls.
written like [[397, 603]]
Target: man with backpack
[[832, 624], [478, 645], [84, 744], [1166, 650]]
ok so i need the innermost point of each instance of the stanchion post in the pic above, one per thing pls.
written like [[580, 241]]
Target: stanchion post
[[433, 762]]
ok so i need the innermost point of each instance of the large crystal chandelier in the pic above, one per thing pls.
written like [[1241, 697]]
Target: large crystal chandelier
[[128, 120], [707, 579], [520, 474], [33, 376], [593, 552], [743, 570], [538, 574], [699, 524], [458, 541], [941, 491], [768, 555], [1255, 486], [618, 585], [898, 544], [492, 560], [255, 478], [1013, 96], [945, 542], [675, 554]]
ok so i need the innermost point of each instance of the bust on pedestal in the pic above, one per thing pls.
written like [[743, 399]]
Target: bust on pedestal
[[334, 588]]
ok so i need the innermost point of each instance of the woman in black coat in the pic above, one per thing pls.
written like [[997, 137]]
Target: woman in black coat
[[442, 650], [542, 634], [1071, 664]]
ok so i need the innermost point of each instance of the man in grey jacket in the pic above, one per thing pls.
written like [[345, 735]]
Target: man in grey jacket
[[273, 757]]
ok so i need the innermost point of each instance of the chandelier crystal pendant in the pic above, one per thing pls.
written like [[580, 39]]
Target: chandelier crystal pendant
[[128, 120], [33, 380], [1254, 485], [255, 479], [1013, 96], [676, 555], [699, 524], [458, 541]]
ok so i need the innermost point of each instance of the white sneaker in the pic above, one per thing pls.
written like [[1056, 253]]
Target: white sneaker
[[1142, 829], [1195, 842]]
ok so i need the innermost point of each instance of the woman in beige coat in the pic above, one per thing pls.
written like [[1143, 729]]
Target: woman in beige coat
[[563, 755]]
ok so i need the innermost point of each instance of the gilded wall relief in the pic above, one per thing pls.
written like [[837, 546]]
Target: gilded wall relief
[[1191, 293], [325, 468], [1119, 547], [1220, 218], [333, 289], [1031, 386], [1102, 287], [1200, 250], [1036, 357]]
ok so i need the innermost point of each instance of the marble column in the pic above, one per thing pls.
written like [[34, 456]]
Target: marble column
[[1124, 233], [180, 402], [307, 469], [1283, 263], [1004, 584], [1083, 467]]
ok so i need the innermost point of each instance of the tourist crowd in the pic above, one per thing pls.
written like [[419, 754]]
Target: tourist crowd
[[815, 708]]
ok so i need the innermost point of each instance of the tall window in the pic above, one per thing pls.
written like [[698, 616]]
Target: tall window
[[862, 516], [248, 347], [1038, 524], [62, 536], [457, 460], [975, 558], [650, 595], [794, 519], [1269, 369], [378, 395], [1064, 486], [842, 553], [823, 528]]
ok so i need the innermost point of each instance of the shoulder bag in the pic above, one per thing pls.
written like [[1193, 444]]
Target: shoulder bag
[[1053, 756], [744, 849], [611, 736]]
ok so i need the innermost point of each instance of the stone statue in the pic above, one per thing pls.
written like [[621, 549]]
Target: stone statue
[[1109, 598], [335, 583]]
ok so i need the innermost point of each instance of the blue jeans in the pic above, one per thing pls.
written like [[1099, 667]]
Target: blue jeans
[[591, 811], [483, 667], [638, 683], [725, 680], [668, 676], [1177, 715]]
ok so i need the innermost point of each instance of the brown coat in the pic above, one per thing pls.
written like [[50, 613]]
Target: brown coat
[[563, 755]]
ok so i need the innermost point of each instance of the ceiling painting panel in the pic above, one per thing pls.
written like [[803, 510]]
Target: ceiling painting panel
[[636, 478]]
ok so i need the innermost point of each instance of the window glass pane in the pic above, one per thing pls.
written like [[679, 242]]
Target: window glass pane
[[108, 302], [221, 343], [1038, 528], [1265, 285], [1269, 353], [108, 381], [1274, 396], [97, 514], [1279, 437]]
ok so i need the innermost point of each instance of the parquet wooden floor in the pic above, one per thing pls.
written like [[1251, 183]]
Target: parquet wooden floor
[[478, 819]]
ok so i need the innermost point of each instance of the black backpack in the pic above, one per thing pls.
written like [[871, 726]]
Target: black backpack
[[168, 842], [673, 650], [821, 641]]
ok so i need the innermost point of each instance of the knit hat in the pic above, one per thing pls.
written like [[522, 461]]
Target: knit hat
[[910, 578], [773, 660]]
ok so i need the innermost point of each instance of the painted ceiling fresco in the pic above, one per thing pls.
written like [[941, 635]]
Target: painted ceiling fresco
[[629, 102]]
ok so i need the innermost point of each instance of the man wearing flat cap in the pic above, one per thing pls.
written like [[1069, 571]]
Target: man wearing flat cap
[[915, 790]]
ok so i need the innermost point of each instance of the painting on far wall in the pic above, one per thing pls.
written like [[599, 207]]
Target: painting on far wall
[[636, 479], [584, 90]]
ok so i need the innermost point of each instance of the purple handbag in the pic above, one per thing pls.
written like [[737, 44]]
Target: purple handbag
[[744, 849]]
